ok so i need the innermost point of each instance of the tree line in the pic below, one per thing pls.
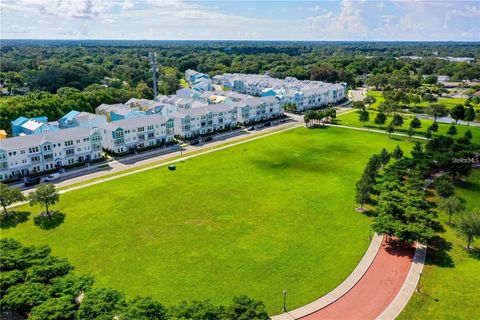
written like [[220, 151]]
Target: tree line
[[36, 285], [395, 186]]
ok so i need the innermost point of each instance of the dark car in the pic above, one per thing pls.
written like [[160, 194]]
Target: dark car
[[207, 139], [267, 124], [31, 181], [194, 142], [251, 128]]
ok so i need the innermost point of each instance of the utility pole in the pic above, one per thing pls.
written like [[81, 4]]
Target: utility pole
[[153, 62]]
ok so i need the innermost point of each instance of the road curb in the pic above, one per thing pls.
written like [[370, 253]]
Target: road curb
[[341, 289]]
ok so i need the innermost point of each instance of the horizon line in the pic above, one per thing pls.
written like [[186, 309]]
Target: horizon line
[[232, 40]]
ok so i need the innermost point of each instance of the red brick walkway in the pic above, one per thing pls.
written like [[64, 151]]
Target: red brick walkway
[[375, 290]]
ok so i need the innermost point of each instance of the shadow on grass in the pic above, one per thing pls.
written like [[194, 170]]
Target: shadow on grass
[[317, 126], [51, 221], [438, 227], [474, 253], [13, 219], [437, 253], [468, 185], [428, 296]]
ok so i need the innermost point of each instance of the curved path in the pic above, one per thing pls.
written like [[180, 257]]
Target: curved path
[[379, 292]]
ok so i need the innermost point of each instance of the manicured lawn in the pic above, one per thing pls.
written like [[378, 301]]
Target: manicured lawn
[[352, 119], [276, 213], [448, 102], [450, 285]]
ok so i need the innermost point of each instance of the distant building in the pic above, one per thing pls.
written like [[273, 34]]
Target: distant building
[[81, 119], [306, 94], [27, 126], [199, 82], [442, 79], [119, 111]]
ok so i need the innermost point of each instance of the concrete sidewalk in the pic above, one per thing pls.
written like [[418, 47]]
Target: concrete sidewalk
[[339, 291], [409, 286]]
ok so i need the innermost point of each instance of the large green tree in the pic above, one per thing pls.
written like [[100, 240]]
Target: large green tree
[[8, 196], [469, 226], [46, 195], [451, 205]]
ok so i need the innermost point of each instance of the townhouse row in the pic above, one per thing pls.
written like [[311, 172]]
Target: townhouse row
[[305, 94], [142, 132], [25, 155], [86, 135]]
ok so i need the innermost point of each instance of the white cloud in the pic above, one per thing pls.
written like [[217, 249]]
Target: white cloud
[[127, 4], [179, 19], [348, 22], [467, 11], [67, 8]]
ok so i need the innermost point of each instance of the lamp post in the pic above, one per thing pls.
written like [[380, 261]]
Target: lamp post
[[284, 300], [419, 279], [370, 232]]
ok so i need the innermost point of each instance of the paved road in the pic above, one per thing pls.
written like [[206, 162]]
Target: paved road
[[375, 290], [163, 154], [358, 94]]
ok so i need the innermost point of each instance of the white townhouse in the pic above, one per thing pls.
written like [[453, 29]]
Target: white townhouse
[[312, 98], [222, 116], [259, 109], [306, 94], [203, 120], [133, 133], [21, 156]]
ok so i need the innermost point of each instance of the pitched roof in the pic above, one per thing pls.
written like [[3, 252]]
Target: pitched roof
[[33, 140], [134, 122]]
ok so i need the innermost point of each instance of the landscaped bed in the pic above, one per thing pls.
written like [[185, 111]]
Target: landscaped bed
[[273, 214], [352, 119], [451, 280]]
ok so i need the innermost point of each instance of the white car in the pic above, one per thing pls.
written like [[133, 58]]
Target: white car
[[53, 177]]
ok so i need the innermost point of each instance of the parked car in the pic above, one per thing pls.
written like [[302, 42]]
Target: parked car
[[194, 142], [53, 177], [251, 128], [267, 124], [31, 181], [208, 139]]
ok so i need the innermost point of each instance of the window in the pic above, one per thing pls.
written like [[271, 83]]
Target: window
[[70, 152], [150, 127], [31, 150], [47, 147], [68, 143], [141, 129]]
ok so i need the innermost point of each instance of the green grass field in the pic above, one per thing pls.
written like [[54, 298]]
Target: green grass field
[[352, 119], [448, 102], [273, 214], [450, 284]]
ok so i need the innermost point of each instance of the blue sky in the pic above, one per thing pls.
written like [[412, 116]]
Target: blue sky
[[241, 20]]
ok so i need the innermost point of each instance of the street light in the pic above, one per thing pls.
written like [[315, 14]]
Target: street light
[[285, 300], [419, 279], [370, 232]]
